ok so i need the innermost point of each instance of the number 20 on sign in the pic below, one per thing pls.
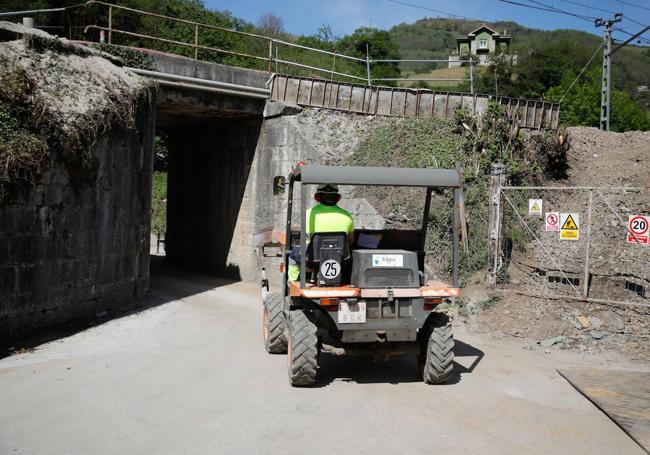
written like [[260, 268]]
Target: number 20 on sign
[[637, 229]]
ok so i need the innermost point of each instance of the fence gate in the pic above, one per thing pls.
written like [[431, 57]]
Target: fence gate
[[584, 243]]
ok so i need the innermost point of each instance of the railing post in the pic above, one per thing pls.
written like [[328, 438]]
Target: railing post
[[368, 64], [495, 218], [333, 67], [586, 276], [110, 24], [196, 42], [270, 56]]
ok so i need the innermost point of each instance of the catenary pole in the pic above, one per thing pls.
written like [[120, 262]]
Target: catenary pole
[[606, 88]]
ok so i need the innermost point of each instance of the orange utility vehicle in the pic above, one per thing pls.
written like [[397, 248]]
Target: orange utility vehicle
[[370, 296]]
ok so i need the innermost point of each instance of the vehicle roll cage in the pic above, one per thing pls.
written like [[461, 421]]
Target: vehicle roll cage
[[372, 176]]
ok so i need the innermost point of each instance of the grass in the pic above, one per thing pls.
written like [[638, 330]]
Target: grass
[[442, 73], [159, 203]]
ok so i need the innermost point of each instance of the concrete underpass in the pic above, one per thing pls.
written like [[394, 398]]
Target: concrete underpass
[[212, 139]]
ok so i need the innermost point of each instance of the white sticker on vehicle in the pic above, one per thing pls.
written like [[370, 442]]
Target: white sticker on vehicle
[[387, 260], [330, 269]]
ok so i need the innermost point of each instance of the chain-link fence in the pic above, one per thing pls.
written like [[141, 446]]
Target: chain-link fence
[[587, 243]]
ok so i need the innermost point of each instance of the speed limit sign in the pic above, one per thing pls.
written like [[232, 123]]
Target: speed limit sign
[[637, 229]]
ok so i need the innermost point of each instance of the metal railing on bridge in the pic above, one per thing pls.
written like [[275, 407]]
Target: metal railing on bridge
[[299, 64], [195, 40]]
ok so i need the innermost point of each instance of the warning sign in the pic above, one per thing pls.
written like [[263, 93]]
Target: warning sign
[[638, 225], [569, 226], [552, 221], [535, 207]]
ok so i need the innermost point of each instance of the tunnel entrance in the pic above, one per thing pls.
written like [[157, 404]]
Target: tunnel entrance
[[211, 143]]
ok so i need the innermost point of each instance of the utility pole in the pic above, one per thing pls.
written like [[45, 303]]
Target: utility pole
[[605, 98]]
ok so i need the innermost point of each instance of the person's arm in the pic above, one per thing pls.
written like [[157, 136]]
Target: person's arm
[[351, 233]]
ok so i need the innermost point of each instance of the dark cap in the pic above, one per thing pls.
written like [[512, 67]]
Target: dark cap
[[327, 188]]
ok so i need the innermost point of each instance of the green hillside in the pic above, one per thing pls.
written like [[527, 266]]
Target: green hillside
[[571, 49]]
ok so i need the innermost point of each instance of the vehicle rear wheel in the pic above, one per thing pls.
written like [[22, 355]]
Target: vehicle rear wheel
[[303, 350], [439, 356], [274, 324]]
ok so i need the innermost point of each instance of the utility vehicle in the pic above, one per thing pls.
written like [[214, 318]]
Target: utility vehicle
[[371, 297]]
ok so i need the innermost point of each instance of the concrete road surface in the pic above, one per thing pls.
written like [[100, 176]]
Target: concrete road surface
[[190, 376]]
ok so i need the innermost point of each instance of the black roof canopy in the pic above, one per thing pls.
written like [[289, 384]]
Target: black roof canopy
[[378, 176]]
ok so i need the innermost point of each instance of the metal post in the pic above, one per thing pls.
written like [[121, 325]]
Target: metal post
[[456, 233], [495, 217], [368, 64], [110, 24], [586, 277], [605, 97], [270, 56], [471, 75], [303, 237], [606, 91], [287, 243], [333, 67], [196, 42]]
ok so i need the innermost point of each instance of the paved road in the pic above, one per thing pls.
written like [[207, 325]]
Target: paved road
[[190, 376]]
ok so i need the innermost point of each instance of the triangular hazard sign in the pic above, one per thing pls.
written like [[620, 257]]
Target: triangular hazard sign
[[535, 207], [569, 224]]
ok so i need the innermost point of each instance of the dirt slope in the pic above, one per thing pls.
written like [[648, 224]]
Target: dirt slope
[[619, 271]]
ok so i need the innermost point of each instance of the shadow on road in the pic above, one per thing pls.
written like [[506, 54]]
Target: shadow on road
[[166, 285], [400, 369]]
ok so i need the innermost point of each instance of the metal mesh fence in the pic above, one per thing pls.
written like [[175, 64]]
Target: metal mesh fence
[[578, 242]]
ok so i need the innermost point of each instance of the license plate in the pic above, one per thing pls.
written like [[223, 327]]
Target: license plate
[[352, 313]]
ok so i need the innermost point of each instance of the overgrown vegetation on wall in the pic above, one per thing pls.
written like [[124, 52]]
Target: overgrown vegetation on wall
[[475, 143], [45, 118], [24, 133]]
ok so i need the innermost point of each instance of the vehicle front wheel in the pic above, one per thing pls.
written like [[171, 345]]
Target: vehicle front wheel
[[274, 324], [439, 356], [302, 350]]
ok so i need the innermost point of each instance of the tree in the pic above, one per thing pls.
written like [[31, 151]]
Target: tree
[[581, 106], [495, 79], [380, 47], [271, 25]]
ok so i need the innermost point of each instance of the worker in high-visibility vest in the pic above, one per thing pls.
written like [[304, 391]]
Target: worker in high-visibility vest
[[325, 216]]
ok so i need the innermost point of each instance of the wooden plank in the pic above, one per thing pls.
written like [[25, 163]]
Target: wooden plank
[[446, 104], [298, 90], [350, 99], [284, 93], [336, 98]]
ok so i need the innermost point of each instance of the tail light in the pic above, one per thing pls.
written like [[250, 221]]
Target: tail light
[[431, 302], [329, 302]]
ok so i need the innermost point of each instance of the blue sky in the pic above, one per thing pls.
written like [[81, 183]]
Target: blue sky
[[305, 16]]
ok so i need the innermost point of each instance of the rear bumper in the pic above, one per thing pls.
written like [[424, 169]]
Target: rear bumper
[[399, 320]]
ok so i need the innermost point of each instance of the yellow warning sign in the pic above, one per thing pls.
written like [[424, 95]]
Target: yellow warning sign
[[535, 207], [570, 226]]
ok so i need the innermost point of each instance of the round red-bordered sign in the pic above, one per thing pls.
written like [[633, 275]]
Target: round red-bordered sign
[[640, 227], [552, 219]]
